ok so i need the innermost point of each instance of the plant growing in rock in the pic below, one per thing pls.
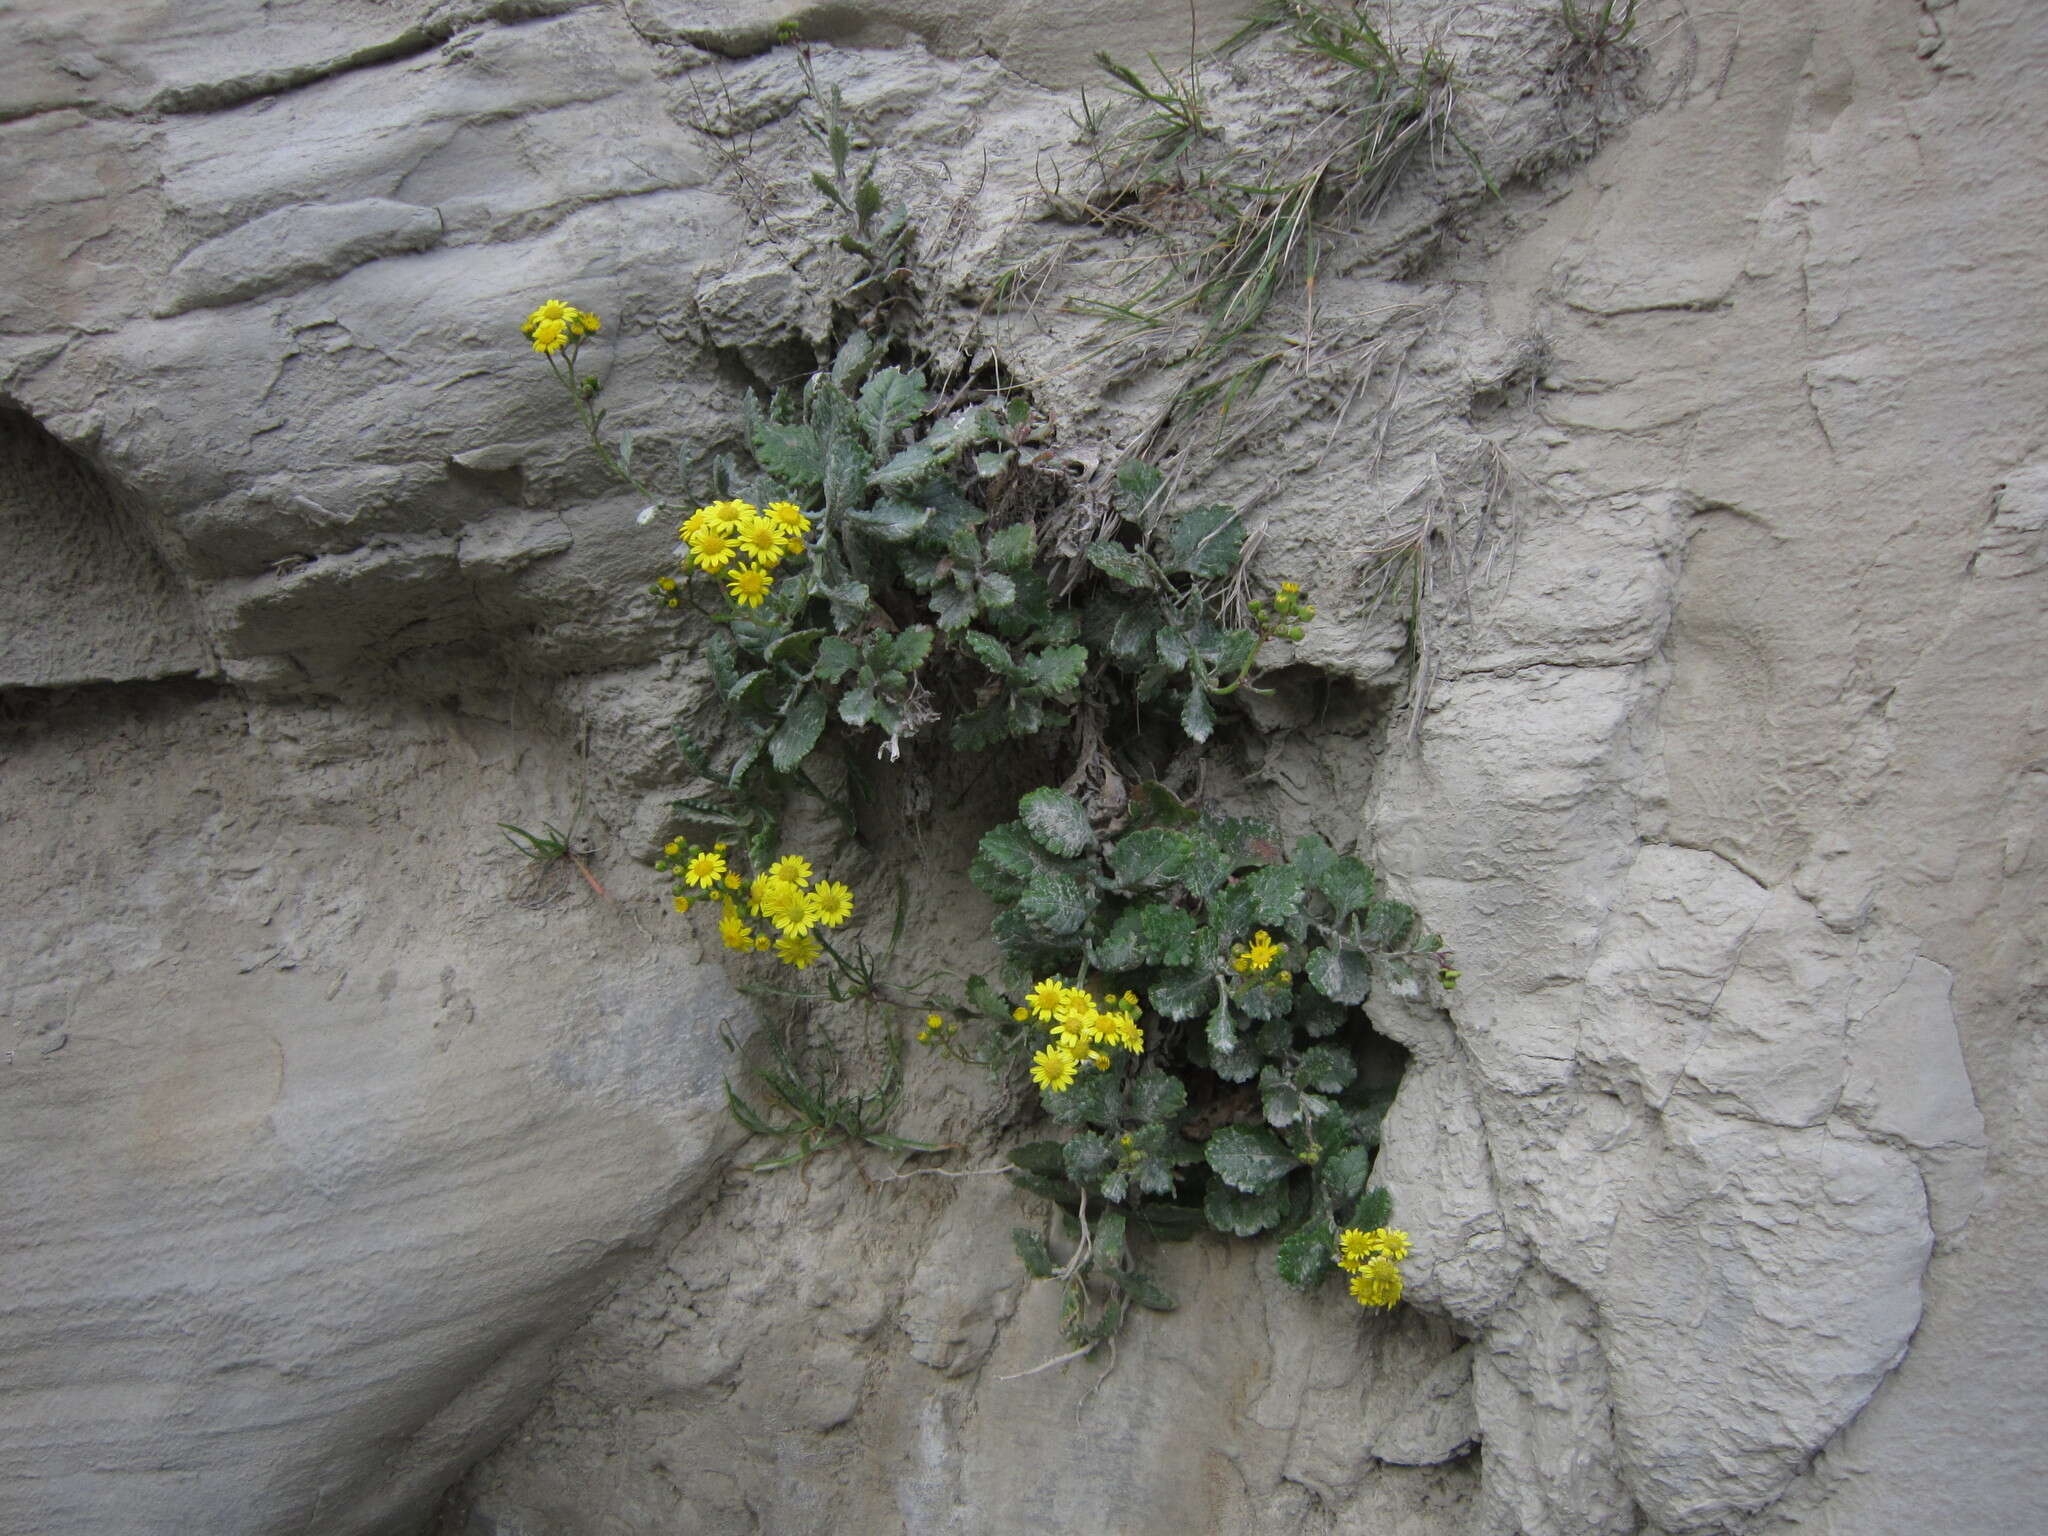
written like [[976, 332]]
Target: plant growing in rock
[[1244, 1105]]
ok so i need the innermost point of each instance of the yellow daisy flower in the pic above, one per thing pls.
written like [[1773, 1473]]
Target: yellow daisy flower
[[832, 902], [705, 870], [797, 949], [712, 550], [791, 867], [761, 542], [748, 585], [1053, 1070], [1376, 1283], [1044, 999]]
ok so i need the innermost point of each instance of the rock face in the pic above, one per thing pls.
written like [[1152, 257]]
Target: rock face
[[351, 1159]]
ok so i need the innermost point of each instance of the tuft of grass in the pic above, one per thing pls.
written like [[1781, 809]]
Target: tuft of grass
[[1229, 240], [1596, 27], [821, 1107], [1171, 117]]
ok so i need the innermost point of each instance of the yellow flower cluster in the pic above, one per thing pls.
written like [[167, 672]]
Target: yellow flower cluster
[[742, 543], [936, 1030], [1084, 1031], [556, 325], [1282, 615], [1257, 957], [784, 897], [1372, 1259]]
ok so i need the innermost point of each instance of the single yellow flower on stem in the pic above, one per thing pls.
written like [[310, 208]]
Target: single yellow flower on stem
[[832, 903], [761, 541], [711, 550], [1044, 999], [1259, 955], [553, 312], [797, 949], [786, 516], [748, 585], [733, 930], [1053, 1070], [705, 869], [783, 904], [791, 867]]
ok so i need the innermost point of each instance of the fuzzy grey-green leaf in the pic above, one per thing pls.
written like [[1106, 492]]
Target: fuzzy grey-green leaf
[[1057, 822], [1249, 1158]]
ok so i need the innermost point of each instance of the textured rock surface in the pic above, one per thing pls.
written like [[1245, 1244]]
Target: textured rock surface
[[327, 1129]]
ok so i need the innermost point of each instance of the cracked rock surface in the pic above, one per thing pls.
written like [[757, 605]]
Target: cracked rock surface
[[363, 1177]]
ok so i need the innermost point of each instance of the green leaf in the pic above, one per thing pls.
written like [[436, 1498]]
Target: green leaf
[[1375, 1210], [1242, 1215], [1197, 715], [1121, 948], [1108, 1233], [802, 725], [1119, 563], [1156, 1096], [1031, 1249], [1205, 542], [1130, 635], [1095, 1099], [1347, 883], [791, 452], [1011, 549], [1326, 1068], [1044, 1157], [1059, 669], [891, 521], [1249, 1158], [1056, 1190], [992, 463], [856, 355], [1344, 1173], [867, 200], [846, 474], [1087, 1156], [911, 648], [1317, 1016], [1008, 850], [1151, 856], [1181, 994], [981, 728], [793, 646], [889, 402], [954, 605], [746, 690], [1275, 893], [1284, 1102], [1168, 934], [1388, 924], [1136, 484], [1057, 822], [827, 190], [997, 590], [1312, 856], [1057, 904], [1306, 1255], [1144, 1290], [1221, 1035], [857, 706], [1341, 975], [985, 1000]]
